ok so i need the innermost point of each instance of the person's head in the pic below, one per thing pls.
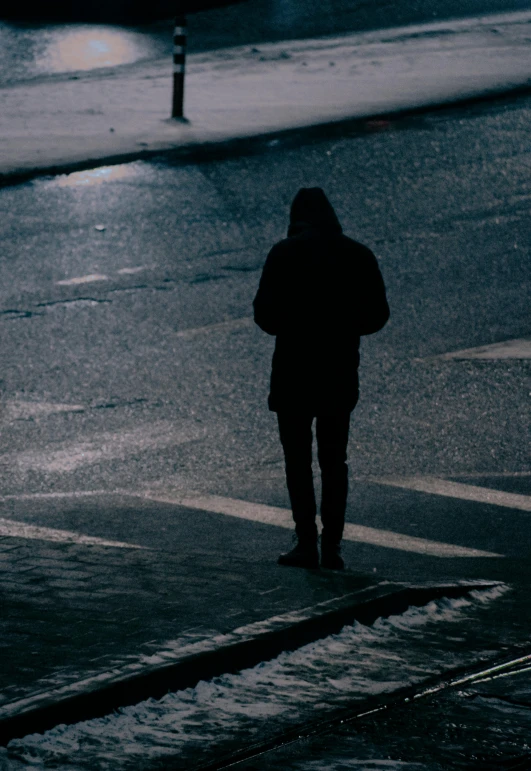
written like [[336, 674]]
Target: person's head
[[311, 207]]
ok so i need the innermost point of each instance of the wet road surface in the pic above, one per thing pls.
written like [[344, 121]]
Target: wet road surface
[[130, 361], [126, 301], [29, 50]]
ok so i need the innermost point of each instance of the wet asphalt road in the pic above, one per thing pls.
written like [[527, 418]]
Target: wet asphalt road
[[123, 378], [128, 360], [482, 726], [29, 49]]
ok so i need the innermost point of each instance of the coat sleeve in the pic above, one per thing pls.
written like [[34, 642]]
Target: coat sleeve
[[268, 302], [373, 309]]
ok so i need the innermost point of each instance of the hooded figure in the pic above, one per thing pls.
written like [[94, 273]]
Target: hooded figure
[[319, 292]]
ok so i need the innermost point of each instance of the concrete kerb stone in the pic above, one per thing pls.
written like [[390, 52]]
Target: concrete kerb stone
[[177, 667]]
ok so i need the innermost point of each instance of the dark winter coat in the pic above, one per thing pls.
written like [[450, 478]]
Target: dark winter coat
[[319, 291]]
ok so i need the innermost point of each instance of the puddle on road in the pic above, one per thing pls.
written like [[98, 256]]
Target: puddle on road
[[31, 50], [223, 714], [89, 47], [97, 176]]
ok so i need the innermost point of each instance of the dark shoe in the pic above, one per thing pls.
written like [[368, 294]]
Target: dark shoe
[[304, 555], [331, 558]]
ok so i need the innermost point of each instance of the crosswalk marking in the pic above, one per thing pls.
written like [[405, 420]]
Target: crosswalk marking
[[22, 410], [392, 540], [221, 326], [51, 496], [82, 279], [281, 517], [496, 474], [15, 529], [66, 457], [508, 349], [273, 515], [465, 492], [131, 271]]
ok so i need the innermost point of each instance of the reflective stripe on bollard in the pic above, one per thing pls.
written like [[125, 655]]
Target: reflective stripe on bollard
[[179, 56]]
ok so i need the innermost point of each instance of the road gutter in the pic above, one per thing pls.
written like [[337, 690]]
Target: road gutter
[[182, 666], [511, 663]]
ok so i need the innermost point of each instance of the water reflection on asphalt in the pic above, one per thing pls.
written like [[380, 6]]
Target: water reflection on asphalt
[[29, 51], [486, 729], [95, 177]]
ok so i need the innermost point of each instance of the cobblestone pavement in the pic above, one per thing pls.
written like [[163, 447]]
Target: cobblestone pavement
[[71, 610]]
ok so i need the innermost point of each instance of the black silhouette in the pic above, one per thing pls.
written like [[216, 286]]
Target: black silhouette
[[319, 291]]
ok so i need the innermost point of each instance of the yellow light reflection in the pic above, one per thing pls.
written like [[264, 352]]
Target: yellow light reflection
[[93, 177], [89, 48]]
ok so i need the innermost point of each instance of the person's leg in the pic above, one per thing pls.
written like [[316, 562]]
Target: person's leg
[[332, 439], [296, 438]]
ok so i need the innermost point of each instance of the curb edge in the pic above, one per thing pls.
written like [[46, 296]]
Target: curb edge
[[197, 152], [228, 653]]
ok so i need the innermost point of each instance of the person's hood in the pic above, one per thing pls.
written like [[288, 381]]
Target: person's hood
[[311, 209]]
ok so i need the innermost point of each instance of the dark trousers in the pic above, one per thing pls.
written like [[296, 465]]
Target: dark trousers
[[332, 438]]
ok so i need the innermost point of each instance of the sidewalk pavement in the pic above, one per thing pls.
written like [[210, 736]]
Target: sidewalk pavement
[[87, 628], [72, 612], [65, 122]]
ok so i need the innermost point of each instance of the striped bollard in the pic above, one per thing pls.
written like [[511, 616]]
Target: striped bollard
[[179, 55]]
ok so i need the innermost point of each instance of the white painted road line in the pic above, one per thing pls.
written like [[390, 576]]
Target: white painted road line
[[83, 279], [392, 540], [57, 495], [272, 515], [508, 349], [19, 410], [222, 326], [131, 271], [13, 529], [464, 492], [69, 456], [494, 474]]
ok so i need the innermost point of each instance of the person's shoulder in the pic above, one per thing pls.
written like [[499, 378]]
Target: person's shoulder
[[357, 249], [355, 245], [276, 257], [282, 247], [283, 243]]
